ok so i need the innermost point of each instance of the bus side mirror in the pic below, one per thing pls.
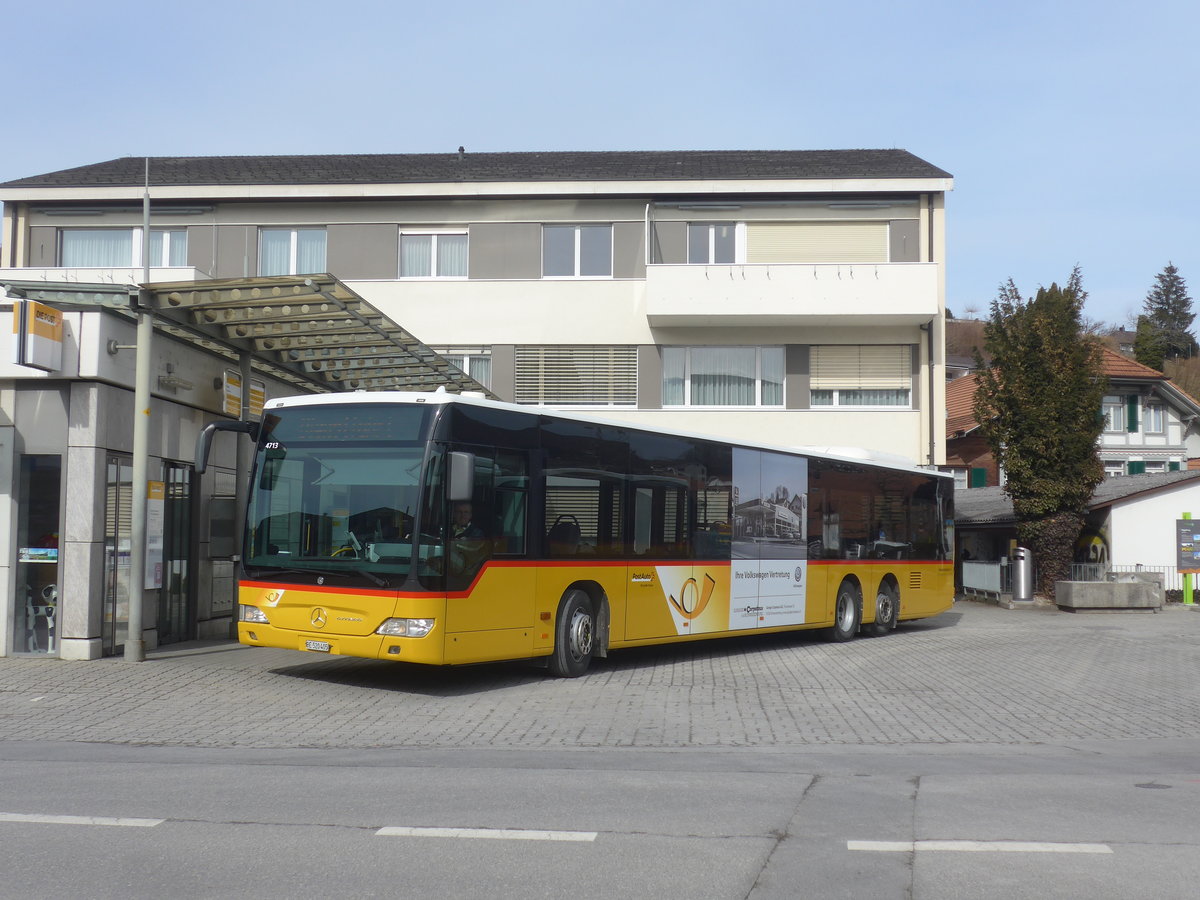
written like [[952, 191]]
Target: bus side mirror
[[204, 440], [462, 476]]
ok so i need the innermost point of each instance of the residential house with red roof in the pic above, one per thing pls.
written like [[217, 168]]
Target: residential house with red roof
[[1151, 426]]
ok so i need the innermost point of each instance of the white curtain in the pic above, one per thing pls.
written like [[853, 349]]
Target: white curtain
[[310, 250], [96, 247], [674, 360], [771, 362], [722, 376], [480, 368], [452, 255], [176, 253], [416, 255], [275, 251]]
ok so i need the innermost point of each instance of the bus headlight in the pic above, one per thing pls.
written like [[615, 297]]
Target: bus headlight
[[406, 627], [252, 614]]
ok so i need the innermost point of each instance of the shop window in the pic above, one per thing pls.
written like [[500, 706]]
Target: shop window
[[35, 622]]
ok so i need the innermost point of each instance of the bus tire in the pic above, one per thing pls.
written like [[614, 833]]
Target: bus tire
[[847, 613], [574, 635], [887, 610]]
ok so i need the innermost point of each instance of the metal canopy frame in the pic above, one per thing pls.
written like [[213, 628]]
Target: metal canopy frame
[[312, 331]]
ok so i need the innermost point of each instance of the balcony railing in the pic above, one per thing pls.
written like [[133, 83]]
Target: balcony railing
[[792, 293]]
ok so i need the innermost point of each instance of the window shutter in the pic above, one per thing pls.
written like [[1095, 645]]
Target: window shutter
[[1131, 413], [817, 242], [978, 478], [1173, 466], [887, 367], [1135, 467], [577, 375]]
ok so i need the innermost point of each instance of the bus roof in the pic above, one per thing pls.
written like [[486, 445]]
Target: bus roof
[[440, 397]]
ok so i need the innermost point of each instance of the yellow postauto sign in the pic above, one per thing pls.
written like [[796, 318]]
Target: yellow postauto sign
[[37, 335]]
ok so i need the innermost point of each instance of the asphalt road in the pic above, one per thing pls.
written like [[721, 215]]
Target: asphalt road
[[985, 753]]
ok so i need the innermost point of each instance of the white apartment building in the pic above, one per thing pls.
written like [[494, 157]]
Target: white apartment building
[[796, 297]]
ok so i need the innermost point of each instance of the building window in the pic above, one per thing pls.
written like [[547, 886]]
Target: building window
[[168, 247], [960, 476], [1114, 415], [474, 361], [291, 251], [577, 251], [576, 375], [98, 248], [1155, 419], [711, 243], [722, 376], [854, 375], [433, 255], [1113, 468]]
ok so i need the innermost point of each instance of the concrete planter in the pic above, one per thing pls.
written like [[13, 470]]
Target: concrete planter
[[1080, 596]]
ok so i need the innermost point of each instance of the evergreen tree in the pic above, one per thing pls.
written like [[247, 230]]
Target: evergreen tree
[[1169, 309], [1148, 344], [1038, 405]]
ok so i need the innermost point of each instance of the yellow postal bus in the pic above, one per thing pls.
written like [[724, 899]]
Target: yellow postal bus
[[441, 529]]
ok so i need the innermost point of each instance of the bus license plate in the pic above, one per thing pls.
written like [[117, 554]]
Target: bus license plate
[[319, 646]]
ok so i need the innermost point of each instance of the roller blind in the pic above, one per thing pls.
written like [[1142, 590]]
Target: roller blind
[[576, 374], [886, 367], [817, 242]]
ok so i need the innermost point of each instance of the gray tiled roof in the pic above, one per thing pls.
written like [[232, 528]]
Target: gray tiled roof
[[991, 506], [404, 168]]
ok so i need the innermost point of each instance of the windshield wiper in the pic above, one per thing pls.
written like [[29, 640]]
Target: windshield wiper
[[371, 576]]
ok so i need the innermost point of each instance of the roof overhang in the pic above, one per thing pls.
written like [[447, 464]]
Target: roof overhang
[[310, 330], [480, 190]]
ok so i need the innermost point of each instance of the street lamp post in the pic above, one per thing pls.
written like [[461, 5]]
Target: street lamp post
[[135, 644]]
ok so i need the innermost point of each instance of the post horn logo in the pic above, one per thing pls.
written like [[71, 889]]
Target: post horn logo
[[692, 600], [318, 617]]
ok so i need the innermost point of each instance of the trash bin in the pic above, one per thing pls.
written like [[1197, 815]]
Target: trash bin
[[1022, 574]]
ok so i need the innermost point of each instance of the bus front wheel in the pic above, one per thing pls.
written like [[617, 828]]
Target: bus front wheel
[[847, 613], [574, 635]]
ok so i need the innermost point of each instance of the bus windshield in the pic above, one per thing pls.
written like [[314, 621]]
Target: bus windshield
[[336, 492]]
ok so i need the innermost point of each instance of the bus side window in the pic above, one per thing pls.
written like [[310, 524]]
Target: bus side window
[[512, 502]]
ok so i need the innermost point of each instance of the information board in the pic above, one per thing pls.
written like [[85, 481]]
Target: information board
[[1187, 545]]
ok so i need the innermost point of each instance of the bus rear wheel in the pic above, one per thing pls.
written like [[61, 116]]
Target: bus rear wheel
[[574, 635], [887, 609], [847, 613]]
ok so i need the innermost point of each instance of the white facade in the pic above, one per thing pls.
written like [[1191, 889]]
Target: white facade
[[1143, 526]]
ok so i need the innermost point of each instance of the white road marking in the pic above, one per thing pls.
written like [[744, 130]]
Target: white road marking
[[79, 820], [509, 834], [977, 846]]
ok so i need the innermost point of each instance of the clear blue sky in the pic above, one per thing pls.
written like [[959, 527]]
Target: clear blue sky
[[1070, 127]]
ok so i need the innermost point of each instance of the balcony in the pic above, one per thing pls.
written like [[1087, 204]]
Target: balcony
[[792, 294], [116, 275]]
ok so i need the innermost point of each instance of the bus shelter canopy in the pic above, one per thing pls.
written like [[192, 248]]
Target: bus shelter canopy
[[310, 330]]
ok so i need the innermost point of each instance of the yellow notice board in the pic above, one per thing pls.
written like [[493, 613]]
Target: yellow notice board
[[37, 335], [233, 395]]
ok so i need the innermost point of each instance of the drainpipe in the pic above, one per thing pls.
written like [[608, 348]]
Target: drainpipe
[[928, 329], [648, 254]]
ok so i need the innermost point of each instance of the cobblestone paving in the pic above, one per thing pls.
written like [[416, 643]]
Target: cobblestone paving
[[975, 675]]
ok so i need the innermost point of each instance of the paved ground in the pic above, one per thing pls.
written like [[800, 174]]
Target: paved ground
[[977, 675]]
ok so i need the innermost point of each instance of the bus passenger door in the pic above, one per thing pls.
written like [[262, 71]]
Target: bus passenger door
[[489, 583], [668, 594]]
